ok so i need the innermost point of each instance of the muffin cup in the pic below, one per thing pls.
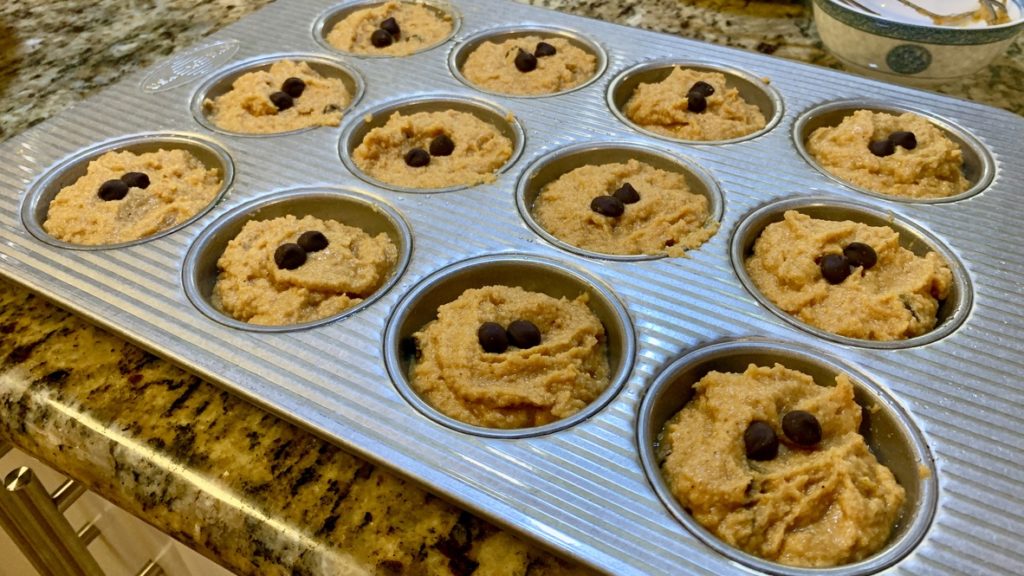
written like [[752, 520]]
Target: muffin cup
[[547, 169], [330, 18], [531, 273], [220, 83], [952, 311], [372, 215], [978, 167], [887, 429], [358, 128], [36, 206], [458, 55], [752, 89]]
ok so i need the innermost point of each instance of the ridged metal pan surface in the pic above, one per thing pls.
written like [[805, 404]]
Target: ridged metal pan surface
[[581, 490]]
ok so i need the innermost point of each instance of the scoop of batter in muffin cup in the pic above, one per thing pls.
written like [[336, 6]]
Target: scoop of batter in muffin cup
[[387, 29]]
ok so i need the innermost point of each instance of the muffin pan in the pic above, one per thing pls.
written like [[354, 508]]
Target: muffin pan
[[580, 489]]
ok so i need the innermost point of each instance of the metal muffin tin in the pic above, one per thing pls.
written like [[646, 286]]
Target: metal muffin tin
[[580, 490]]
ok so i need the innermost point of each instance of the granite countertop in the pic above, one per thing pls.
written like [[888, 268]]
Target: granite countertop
[[243, 487]]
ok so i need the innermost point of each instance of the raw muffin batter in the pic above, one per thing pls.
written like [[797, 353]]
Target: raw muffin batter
[[932, 169], [492, 66], [180, 186], [516, 388], [816, 506], [896, 298], [420, 28], [252, 287], [479, 150], [248, 108], [667, 218], [664, 108]]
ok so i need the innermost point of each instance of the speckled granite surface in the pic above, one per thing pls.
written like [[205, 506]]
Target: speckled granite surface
[[239, 485]]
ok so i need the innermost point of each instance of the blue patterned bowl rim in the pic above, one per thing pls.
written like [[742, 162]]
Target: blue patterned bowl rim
[[917, 33]]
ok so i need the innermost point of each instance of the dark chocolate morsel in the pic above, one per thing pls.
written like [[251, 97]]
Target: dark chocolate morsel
[[703, 88], [608, 206], [442, 146], [627, 194], [390, 25], [525, 62], [289, 256], [904, 138], [381, 38], [882, 148], [523, 334], [834, 268], [802, 428], [696, 102], [282, 100], [135, 180], [293, 87], [760, 441], [112, 190], [544, 49], [492, 337], [860, 254], [313, 241], [417, 158]]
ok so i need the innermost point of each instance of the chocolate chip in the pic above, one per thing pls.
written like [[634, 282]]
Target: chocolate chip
[[135, 180], [802, 428], [282, 101], [860, 254], [442, 146], [293, 87], [882, 148], [905, 139], [391, 27], [608, 206], [381, 38], [703, 88], [696, 102], [523, 334], [544, 49], [525, 61], [417, 158], [113, 190], [492, 337], [834, 268], [313, 241], [289, 256], [627, 194], [760, 441]]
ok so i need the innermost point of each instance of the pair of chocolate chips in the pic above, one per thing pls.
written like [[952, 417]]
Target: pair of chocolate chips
[[386, 34], [440, 146], [887, 147], [290, 256], [615, 204], [291, 89], [697, 96], [800, 427], [118, 189], [522, 334], [526, 62], [837, 267]]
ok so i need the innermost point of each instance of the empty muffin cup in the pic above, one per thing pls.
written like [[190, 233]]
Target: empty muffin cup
[[951, 311], [327, 21], [530, 273], [550, 168], [369, 214], [221, 82], [978, 165], [502, 120], [751, 89], [887, 430], [461, 52], [35, 209]]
